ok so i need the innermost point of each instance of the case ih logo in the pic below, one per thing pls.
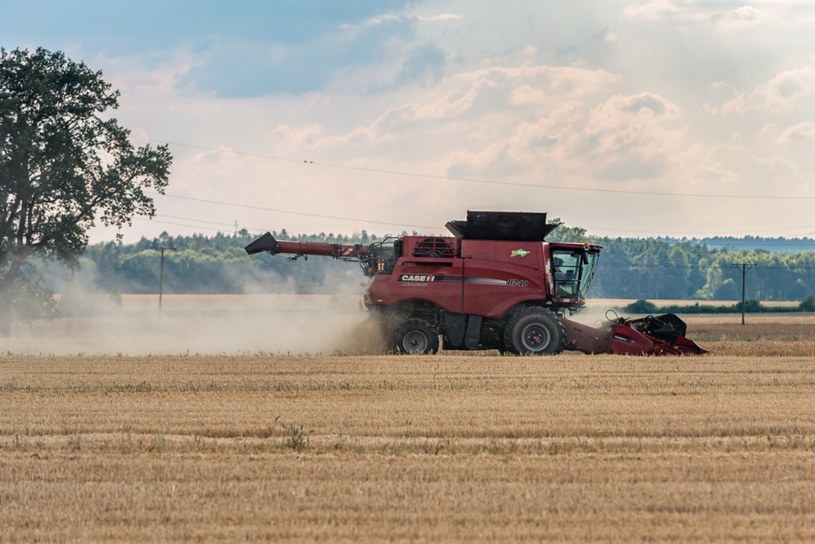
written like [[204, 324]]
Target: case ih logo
[[418, 278]]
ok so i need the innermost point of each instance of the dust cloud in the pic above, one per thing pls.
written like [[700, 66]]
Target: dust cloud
[[596, 314], [93, 323], [200, 324], [275, 324], [268, 319]]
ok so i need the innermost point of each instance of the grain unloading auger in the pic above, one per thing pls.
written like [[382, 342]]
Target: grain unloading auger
[[495, 284]]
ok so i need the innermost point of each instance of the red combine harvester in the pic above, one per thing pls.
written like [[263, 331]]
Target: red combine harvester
[[495, 284]]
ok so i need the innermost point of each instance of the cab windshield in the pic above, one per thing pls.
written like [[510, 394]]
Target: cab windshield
[[572, 270]]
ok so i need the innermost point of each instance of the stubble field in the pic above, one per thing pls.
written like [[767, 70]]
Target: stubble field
[[386, 448]]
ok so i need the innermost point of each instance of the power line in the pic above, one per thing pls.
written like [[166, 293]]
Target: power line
[[701, 241], [195, 220], [497, 182], [177, 224], [230, 225], [634, 266], [472, 180], [371, 221], [712, 245], [199, 227], [292, 212], [699, 237]]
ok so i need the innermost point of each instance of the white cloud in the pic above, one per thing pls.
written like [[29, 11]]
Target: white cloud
[[749, 13], [741, 17], [657, 9], [734, 169], [802, 133], [784, 92], [440, 17], [630, 137], [781, 95]]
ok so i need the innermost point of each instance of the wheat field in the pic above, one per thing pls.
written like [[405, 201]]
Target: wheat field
[[442, 448]]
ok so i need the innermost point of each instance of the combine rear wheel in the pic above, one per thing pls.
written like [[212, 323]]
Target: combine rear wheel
[[535, 331], [416, 336]]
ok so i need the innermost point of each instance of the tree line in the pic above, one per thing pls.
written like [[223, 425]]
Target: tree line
[[635, 268]]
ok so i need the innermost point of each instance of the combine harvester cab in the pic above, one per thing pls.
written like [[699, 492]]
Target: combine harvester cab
[[495, 284]]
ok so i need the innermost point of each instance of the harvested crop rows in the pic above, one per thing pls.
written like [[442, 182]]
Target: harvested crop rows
[[394, 448]]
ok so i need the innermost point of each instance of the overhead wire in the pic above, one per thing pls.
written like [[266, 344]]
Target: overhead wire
[[235, 225], [291, 212], [631, 266], [435, 229], [160, 222], [499, 182], [461, 179]]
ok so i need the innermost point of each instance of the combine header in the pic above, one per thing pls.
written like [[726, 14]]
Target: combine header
[[495, 284]]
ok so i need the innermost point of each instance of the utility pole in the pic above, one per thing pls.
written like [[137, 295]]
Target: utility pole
[[161, 275], [744, 269]]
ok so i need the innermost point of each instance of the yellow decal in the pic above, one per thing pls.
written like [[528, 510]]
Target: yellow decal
[[519, 253]]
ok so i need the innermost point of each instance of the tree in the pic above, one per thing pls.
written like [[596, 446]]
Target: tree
[[64, 164]]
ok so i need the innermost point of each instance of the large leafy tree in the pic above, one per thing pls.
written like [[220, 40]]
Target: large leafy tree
[[65, 164]]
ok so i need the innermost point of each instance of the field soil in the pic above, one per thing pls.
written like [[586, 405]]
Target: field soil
[[263, 445]]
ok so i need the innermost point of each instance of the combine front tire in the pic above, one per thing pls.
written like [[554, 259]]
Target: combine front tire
[[416, 336], [535, 331]]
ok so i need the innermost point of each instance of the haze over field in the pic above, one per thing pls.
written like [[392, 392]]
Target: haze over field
[[234, 325], [336, 117]]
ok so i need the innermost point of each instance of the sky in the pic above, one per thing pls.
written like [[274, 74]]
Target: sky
[[630, 118]]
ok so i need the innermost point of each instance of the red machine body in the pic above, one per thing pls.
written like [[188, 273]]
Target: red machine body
[[477, 277], [495, 284]]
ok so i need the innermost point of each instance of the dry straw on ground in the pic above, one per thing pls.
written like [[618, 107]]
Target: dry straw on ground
[[382, 448]]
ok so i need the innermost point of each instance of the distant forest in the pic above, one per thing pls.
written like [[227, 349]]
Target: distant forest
[[635, 268]]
